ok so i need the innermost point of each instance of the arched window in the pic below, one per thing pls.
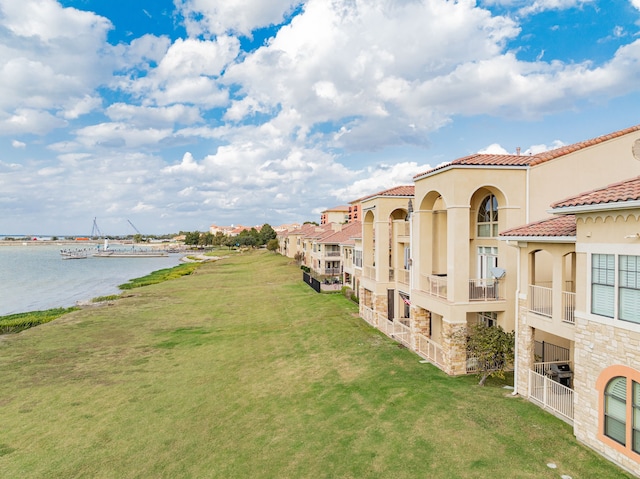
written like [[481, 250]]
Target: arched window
[[615, 410], [488, 217], [620, 409]]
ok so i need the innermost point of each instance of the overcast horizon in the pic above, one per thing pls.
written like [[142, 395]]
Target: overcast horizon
[[176, 115]]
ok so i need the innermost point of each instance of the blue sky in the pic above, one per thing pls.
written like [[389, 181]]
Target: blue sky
[[180, 114]]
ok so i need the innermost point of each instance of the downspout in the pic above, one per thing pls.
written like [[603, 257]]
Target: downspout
[[517, 301]]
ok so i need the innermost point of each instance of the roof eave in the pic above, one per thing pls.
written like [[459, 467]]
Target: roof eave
[[618, 205], [437, 171], [540, 239]]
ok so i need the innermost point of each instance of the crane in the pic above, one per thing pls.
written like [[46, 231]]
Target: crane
[[137, 230], [134, 227], [95, 231]]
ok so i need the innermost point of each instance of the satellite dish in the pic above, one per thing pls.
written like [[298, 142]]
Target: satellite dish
[[497, 273]]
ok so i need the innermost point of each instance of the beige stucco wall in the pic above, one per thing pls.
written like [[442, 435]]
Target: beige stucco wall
[[445, 237], [586, 169]]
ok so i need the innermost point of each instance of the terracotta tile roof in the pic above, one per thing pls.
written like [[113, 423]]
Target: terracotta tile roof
[[406, 190], [350, 231], [530, 160], [337, 208], [628, 190], [550, 227], [480, 159], [565, 150]]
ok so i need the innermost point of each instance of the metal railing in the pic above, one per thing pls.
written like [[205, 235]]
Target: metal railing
[[369, 272], [569, 307], [429, 350], [551, 395], [484, 289], [434, 285], [332, 271], [540, 300], [473, 365], [403, 276], [550, 353], [332, 253], [369, 315], [396, 329]]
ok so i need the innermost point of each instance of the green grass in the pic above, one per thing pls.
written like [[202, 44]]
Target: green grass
[[242, 371]]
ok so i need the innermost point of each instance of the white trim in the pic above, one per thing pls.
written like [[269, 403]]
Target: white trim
[[539, 239], [609, 248]]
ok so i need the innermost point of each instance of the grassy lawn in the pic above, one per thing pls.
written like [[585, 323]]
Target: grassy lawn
[[241, 370]]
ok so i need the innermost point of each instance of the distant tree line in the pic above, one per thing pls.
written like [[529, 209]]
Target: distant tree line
[[249, 238]]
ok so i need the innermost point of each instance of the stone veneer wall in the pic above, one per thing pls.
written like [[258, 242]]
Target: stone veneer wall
[[598, 346], [380, 303], [419, 324], [525, 344], [453, 348]]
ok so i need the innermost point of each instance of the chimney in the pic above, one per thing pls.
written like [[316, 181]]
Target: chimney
[[518, 150]]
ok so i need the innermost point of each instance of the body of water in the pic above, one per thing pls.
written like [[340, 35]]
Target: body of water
[[35, 277]]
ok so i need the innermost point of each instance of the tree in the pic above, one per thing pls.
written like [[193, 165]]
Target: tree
[[267, 233], [273, 245], [192, 238], [493, 349]]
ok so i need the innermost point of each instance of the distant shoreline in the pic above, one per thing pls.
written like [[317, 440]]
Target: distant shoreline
[[27, 242]]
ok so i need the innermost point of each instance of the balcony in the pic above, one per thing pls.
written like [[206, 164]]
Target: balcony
[[332, 271], [434, 285], [484, 289], [541, 303], [369, 272]]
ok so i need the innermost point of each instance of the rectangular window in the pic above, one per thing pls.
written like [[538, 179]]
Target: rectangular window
[[629, 289], [602, 284], [636, 418]]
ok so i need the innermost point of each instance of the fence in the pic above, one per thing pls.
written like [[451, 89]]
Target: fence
[[551, 395], [314, 283], [548, 352]]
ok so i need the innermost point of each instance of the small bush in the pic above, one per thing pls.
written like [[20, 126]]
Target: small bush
[[14, 323], [161, 275]]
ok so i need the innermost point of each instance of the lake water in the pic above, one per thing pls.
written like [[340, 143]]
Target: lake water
[[35, 277]]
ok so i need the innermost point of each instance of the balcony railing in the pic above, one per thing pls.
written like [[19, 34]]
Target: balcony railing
[[540, 300], [434, 285], [403, 276], [569, 307], [429, 350], [332, 253], [369, 316], [484, 289], [551, 395], [403, 228], [332, 271], [369, 272]]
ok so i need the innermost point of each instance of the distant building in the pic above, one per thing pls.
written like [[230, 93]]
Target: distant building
[[338, 214]]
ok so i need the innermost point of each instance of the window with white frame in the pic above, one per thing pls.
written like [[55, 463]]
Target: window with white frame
[[615, 286], [603, 284], [487, 259], [488, 217], [357, 258], [629, 288]]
